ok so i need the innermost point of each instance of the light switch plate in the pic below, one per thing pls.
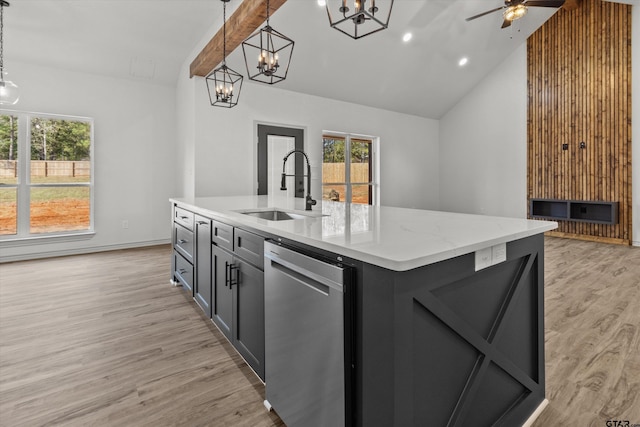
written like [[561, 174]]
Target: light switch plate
[[483, 258]]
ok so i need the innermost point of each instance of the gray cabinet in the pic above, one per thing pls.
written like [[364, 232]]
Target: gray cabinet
[[221, 266], [183, 242], [202, 286], [222, 301], [248, 331], [238, 294]]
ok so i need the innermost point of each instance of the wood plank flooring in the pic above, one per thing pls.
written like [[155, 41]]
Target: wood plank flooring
[[592, 333], [104, 340]]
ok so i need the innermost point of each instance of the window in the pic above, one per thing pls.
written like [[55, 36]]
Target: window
[[348, 171], [46, 175]]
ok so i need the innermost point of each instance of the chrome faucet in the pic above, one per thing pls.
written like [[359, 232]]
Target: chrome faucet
[[283, 186]]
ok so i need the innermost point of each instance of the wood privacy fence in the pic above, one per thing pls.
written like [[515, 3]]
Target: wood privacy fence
[[9, 168], [335, 172]]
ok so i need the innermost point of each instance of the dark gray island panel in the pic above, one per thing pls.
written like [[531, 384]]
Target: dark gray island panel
[[444, 345]]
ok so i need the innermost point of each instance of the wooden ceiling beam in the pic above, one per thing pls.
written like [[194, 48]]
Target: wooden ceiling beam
[[571, 4], [247, 18]]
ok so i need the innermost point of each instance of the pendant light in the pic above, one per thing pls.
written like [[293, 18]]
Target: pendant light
[[8, 90], [267, 54], [359, 18], [224, 84]]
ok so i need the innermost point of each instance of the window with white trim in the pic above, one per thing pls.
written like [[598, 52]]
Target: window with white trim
[[46, 175], [348, 168]]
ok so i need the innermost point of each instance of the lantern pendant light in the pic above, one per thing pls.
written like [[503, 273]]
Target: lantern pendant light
[[267, 54], [359, 18], [224, 84], [9, 93]]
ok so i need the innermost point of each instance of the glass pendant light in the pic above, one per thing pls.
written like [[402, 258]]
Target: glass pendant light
[[273, 51], [224, 84], [9, 93]]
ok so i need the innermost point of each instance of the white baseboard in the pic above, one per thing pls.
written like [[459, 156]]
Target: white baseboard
[[79, 251], [536, 413], [636, 243]]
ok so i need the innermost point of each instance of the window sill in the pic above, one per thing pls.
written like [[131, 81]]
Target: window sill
[[50, 238]]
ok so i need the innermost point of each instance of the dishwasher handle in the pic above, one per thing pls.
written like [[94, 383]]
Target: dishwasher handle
[[322, 272], [300, 278]]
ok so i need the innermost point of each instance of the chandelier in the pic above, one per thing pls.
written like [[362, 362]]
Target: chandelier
[[359, 18], [273, 51], [224, 84]]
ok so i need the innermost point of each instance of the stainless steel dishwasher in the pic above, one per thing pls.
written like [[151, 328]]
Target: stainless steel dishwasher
[[308, 345]]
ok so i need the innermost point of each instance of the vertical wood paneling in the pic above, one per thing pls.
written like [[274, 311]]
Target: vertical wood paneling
[[579, 90]]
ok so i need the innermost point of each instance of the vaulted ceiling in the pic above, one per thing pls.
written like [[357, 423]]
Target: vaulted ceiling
[[151, 39]]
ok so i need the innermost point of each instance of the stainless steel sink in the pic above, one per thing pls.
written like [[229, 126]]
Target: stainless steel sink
[[274, 215]]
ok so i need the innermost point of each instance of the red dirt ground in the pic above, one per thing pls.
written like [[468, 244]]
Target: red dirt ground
[[47, 217]]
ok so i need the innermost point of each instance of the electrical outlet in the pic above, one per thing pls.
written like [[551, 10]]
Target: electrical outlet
[[125, 223], [483, 258]]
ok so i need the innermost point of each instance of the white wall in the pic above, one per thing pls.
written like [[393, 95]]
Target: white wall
[[134, 150], [225, 142], [483, 145], [483, 158]]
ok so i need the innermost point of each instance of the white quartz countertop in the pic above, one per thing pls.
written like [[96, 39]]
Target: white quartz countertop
[[394, 238]]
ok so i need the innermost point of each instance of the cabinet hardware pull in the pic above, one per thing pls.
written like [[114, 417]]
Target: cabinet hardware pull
[[184, 217], [226, 273], [182, 271], [202, 222], [181, 241], [237, 270]]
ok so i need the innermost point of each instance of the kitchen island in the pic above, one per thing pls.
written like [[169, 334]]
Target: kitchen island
[[448, 309]]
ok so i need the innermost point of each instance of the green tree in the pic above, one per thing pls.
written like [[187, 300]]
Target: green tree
[[8, 137], [60, 139], [332, 150]]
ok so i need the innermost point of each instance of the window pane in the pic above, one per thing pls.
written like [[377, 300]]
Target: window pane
[[333, 160], [8, 149], [55, 209], [336, 193], [361, 194], [8, 211], [60, 151], [360, 161]]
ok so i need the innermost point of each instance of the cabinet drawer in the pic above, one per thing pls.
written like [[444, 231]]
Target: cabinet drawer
[[184, 241], [184, 271], [184, 218], [222, 235], [250, 247]]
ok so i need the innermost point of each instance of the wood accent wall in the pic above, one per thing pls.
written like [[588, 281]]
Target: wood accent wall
[[579, 90]]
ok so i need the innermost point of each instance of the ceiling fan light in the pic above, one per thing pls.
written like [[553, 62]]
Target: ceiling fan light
[[514, 12]]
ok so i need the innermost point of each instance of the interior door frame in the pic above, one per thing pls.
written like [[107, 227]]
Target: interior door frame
[[263, 132]]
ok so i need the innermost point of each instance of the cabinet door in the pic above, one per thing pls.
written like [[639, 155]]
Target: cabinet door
[[248, 332], [202, 286], [222, 298]]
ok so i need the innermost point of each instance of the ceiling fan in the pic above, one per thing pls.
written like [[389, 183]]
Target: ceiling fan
[[516, 9]]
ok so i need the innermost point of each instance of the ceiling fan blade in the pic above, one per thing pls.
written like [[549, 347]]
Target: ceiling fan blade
[[484, 13], [542, 3], [506, 23]]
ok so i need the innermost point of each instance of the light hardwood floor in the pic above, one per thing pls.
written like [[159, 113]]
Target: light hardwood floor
[[104, 340]]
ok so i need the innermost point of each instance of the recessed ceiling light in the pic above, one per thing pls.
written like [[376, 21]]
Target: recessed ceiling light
[[322, 3], [463, 61], [407, 37]]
